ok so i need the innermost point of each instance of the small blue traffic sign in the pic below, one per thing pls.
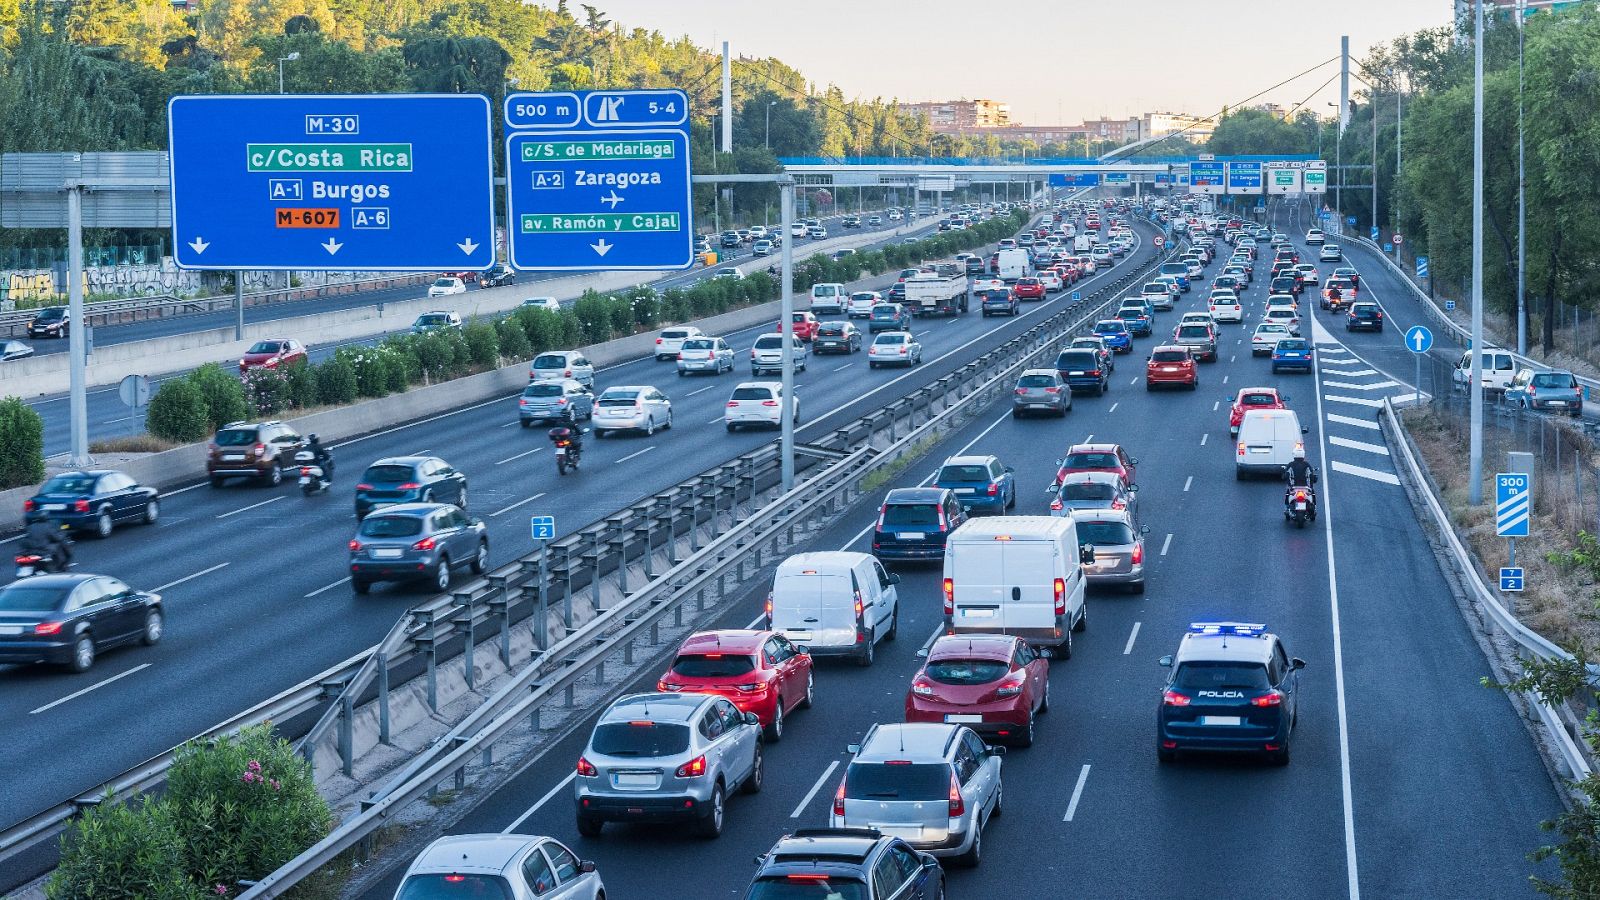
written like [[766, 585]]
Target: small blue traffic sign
[[1076, 296], [1513, 496], [1419, 339], [1388, 248], [1422, 267], [1325, 215], [599, 180], [385, 182], [544, 527], [1349, 220], [1374, 231], [1511, 578], [1449, 306]]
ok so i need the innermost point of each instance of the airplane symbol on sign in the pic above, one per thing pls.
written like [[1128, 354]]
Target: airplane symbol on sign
[[610, 108], [613, 199]]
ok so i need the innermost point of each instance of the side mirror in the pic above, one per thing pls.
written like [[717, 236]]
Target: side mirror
[[894, 578], [922, 653], [1058, 463], [1304, 430], [750, 718], [587, 866], [1298, 663], [1165, 661], [852, 749], [1133, 460], [1045, 652], [1144, 529], [802, 649], [1010, 471], [1133, 489], [1051, 489], [929, 862]]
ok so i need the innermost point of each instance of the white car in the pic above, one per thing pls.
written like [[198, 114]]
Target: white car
[[501, 865], [1196, 318], [1051, 279], [894, 348], [895, 216], [758, 403], [861, 304], [445, 286], [797, 229], [705, 354], [1103, 256], [767, 354], [1225, 306], [631, 407], [1266, 337], [670, 341], [549, 303], [1308, 272], [728, 273], [1314, 236], [1286, 316], [1331, 253], [1288, 300]]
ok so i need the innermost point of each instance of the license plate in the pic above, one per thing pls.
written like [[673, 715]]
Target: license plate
[[977, 613], [966, 490], [1169, 368], [54, 507], [561, 451], [1558, 403], [1260, 449], [1300, 505], [798, 634], [384, 553], [912, 535], [965, 718], [1220, 720], [1075, 373], [627, 780], [233, 457], [22, 572], [10, 629], [305, 479]]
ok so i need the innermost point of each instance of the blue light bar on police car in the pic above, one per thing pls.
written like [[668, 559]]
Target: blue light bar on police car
[[1241, 629]]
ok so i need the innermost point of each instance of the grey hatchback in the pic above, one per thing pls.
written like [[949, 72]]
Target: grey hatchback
[[1041, 390], [1556, 390], [565, 401], [417, 541], [409, 479]]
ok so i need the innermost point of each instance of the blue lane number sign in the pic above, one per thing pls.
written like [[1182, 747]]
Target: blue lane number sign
[[1511, 579], [1513, 498], [544, 527], [1419, 339], [1076, 296]]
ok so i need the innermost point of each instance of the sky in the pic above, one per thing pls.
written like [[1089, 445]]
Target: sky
[[1054, 61]]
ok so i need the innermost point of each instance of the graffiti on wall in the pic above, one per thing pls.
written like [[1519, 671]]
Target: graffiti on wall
[[30, 286]]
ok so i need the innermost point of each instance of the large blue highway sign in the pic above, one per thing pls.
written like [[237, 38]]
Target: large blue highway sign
[[372, 182], [1075, 179], [599, 180]]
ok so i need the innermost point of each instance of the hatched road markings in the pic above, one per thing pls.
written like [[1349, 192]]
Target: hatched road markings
[[1359, 401], [1358, 445], [1364, 472], [1358, 423], [1375, 386]]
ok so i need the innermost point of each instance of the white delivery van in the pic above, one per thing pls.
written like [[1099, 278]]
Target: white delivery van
[[828, 297], [1082, 244], [1011, 265], [1267, 441], [1498, 369], [834, 603], [1020, 575]]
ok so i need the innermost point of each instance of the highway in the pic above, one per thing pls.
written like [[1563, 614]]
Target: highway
[[254, 579], [1408, 777], [109, 417]]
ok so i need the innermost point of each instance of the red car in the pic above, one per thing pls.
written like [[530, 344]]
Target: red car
[[994, 684], [1254, 398], [760, 671], [273, 354], [466, 277], [1171, 364], [1096, 458], [805, 326], [1029, 289]]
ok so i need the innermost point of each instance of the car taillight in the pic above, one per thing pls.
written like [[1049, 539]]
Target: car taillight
[[1061, 596], [858, 607], [838, 800], [958, 806], [80, 506], [949, 596], [1241, 448], [561, 402], [769, 403], [1300, 445], [1055, 505], [1173, 698], [658, 340], [355, 546], [680, 355], [921, 687], [567, 374], [27, 506], [27, 560], [1118, 504], [586, 769], [363, 487], [1012, 684], [426, 543], [305, 471], [47, 628], [408, 486], [1270, 698], [259, 449], [694, 768], [994, 489], [753, 688], [882, 510]]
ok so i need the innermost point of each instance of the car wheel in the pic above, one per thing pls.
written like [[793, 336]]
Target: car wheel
[[758, 774], [894, 625], [1136, 587], [650, 426], [216, 482], [152, 512], [1064, 649], [1025, 739], [461, 497], [102, 524], [1044, 702], [710, 824], [441, 578], [974, 854], [668, 425], [480, 559], [1165, 756], [871, 364], [729, 426], [275, 476], [589, 826], [1083, 618], [810, 697], [773, 733], [82, 654], [1280, 757], [153, 625], [865, 657], [360, 586]]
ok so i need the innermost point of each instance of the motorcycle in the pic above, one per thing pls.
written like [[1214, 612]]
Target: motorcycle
[[32, 563], [312, 478], [1298, 506], [568, 450]]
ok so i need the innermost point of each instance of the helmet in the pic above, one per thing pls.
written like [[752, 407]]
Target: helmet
[[312, 438], [1299, 453]]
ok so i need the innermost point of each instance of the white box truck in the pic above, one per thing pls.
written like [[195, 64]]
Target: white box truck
[[931, 294], [1020, 575]]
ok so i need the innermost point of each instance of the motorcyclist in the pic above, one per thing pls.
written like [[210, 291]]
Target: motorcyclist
[[321, 456], [1301, 474], [48, 538], [573, 435]]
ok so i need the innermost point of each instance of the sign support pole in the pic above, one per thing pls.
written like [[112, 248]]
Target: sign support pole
[[77, 329], [238, 304], [1417, 382], [1475, 385], [786, 211]]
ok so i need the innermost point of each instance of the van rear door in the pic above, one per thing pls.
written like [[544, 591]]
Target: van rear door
[[1028, 601], [811, 607]]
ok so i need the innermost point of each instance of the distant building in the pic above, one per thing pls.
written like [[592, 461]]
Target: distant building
[[1162, 124], [949, 116]]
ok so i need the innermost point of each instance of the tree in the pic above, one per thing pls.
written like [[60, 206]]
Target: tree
[[451, 65], [1254, 131]]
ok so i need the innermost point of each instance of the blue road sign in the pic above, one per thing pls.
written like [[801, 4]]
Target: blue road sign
[[1449, 306], [384, 182], [1163, 178], [1350, 220], [544, 527], [1076, 296], [598, 180], [1075, 179], [1208, 174], [1373, 232], [1388, 248], [1422, 267], [1511, 578], [1513, 494], [1244, 177], [1324, 215], [1419, 339]]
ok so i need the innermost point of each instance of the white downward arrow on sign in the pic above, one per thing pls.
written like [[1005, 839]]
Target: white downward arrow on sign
[[332, 246], [199, 244], [601, 247], [467, 246]]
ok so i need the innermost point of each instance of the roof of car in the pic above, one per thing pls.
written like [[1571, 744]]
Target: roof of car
[[400, 460], [408, 509], [907, 740], [727, 640], [1174, 348], [972, 646], [1225, 648], [812, 844], [1093, 477], [472, 853], [969, 460], [1093, 448], [919, 494], [65, 581], [655, 707], [1123, 516]]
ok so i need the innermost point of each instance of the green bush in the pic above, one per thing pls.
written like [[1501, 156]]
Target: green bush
[[513, 340], [483, 344], [403, 356], [594, 318], [122, 851], [371, 368], [178, 412], [21, 444], [646, 307], [336, 381], [302, 386], [619, 312], [223, 393], [266, 390]]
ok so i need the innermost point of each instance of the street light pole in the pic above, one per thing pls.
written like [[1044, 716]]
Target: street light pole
[[768, 140], [1475, 384], [281, 60], [1394, 201], [1522, 202]]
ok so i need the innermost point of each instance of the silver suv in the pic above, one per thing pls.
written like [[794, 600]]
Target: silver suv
[[934, 785], [667, 757]]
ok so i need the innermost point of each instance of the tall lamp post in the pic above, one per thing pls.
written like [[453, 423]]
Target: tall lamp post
[[1475, 436], [281, 60], [768, 140], [1522, 193]]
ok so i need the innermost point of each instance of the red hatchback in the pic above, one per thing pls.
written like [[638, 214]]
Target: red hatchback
[[1254, 398], [760, 671], [1029, 289], [994, 684], [1171, 365], [1096, 458], [273, 354]]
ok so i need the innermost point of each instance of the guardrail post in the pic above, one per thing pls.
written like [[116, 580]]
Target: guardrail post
[[594, 584], [533, 715], [647, 531], [347, 749], [431, 654], [383, 698], [566, 598], [694, 514], [463, 625]]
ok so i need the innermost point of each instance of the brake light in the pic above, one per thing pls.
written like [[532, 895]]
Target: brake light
[[1012, 684], [305, 471], [921, 687], [1052, 390], [658, 340], [363, 487], [1118, 504], [259, 449], [732, 403], [586, 769], [944, 522], [858, 607], [958, 806], [1055, 505], [1138, 553], [1300, 495], [1271, 698], [994, 489], [426, 543], [27, 560], [759, 687], [1172, 698], [949, 596], [408, 486], [1241, 448], [769, 606], [1061, 596], [80, 506], [769, 403], [694, 768], [562, 402], [47, 628], [27, 505], [567, 374], [838, 800]]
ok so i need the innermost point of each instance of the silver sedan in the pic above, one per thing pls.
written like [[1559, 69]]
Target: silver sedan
[[631, 407]]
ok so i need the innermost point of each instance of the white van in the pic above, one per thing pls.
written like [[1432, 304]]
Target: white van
[[1267, 441], [1011, 265], [834, 603], [828, 297], [1020, 575], [1082, 244], [1498, 369]]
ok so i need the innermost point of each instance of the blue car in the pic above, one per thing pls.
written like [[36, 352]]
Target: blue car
[[1138, 321], [93, 501], [1292, 354], [409, 479], [981, 484], [1115, 333]]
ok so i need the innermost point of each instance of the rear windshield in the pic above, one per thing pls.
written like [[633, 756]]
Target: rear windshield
[[806, 886], [904, 514], [1093, 490], [831, 328], [1090, 461], [1555, 380], [752, 393], [390, 526], [544, 389], [890, 781], [619, 398], [1169, 356], [882, 312], [1104, 534], [236, 437], [549, 361], [1215, 676], [1193, 331], [674, 333], [1068, 359], [966, 671], [454, 887], [996, 295], [1155, 287], [1036, 381], [769, 342], [964, 473], [859, 296], [713, 665], [19, 598], [640, 739], [1291, 344], [1173, 268], [432, 319], [387, 473], [697, 344], [83, 484], [1258, 400], [892, 337]]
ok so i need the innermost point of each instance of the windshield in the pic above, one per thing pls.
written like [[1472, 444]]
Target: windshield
[[454, 887], [966, 671], [1169, 356], [879, 781], [697, 344], [963, 473], [713, 665], [390, 526], [444, 282], [388, 473], [615, 397], [550, 361], [54, 312], [911, 514], [1295, 344], [236, 437], [1104, 534], [1218, 676], [544, 389], [1194, 331], [432, 319], [264, 347], [806, 886], [84, 484], [640, 738], [22, 598]]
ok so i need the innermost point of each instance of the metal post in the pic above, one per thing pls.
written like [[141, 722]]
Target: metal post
[[238, 304], [786, 327], [1475, 439], [77, 329], [1374, 167], [1394, 202], [383, 697], [727, 102], [1344, 106], [1522, 203]]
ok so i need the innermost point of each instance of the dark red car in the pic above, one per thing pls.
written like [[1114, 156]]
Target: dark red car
[[805, 326], [277, 353], [466, 277], [760, 671], [1254, 398], [1171, 364], [1029, 289], [994, 684], [1096, 458]]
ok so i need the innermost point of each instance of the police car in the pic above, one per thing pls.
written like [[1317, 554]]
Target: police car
[[1233, 687]]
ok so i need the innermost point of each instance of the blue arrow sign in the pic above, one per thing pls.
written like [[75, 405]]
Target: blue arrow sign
[[1511, 578], [1513, 494], [544, 527], [1208, 174], [1422, 267], [598, 180], [1419, 339], [1244, 177], [371, 182]]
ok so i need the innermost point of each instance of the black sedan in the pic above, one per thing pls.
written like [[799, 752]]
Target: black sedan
[[497, 276], [68, 619], [50, 322], [1364, 317], [409, 479], [93, 501]]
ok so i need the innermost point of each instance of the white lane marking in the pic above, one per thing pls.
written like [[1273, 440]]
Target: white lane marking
[[1364, 472], [1375, 386], [938, 630], [183, 490], [99, 684], [1135, 380], [1359, 401], [422, 453], [1359, 423], [250, 507], [1114, 405], [718, 420], [12, 539], [636, 453], [159, 589], [826, 773], [1232, 358], [519, 456], [328, 587], [1072, 805], [511, 423], [1166, 544], [1358, 445], [1186, 482], [1410, 397], [1203, 438], [1132, 636], [571, 776], [1224, 379], [1352, 874], [843, 367], [517, 504], [700, 391], [1215, 404], [1089, 439]]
